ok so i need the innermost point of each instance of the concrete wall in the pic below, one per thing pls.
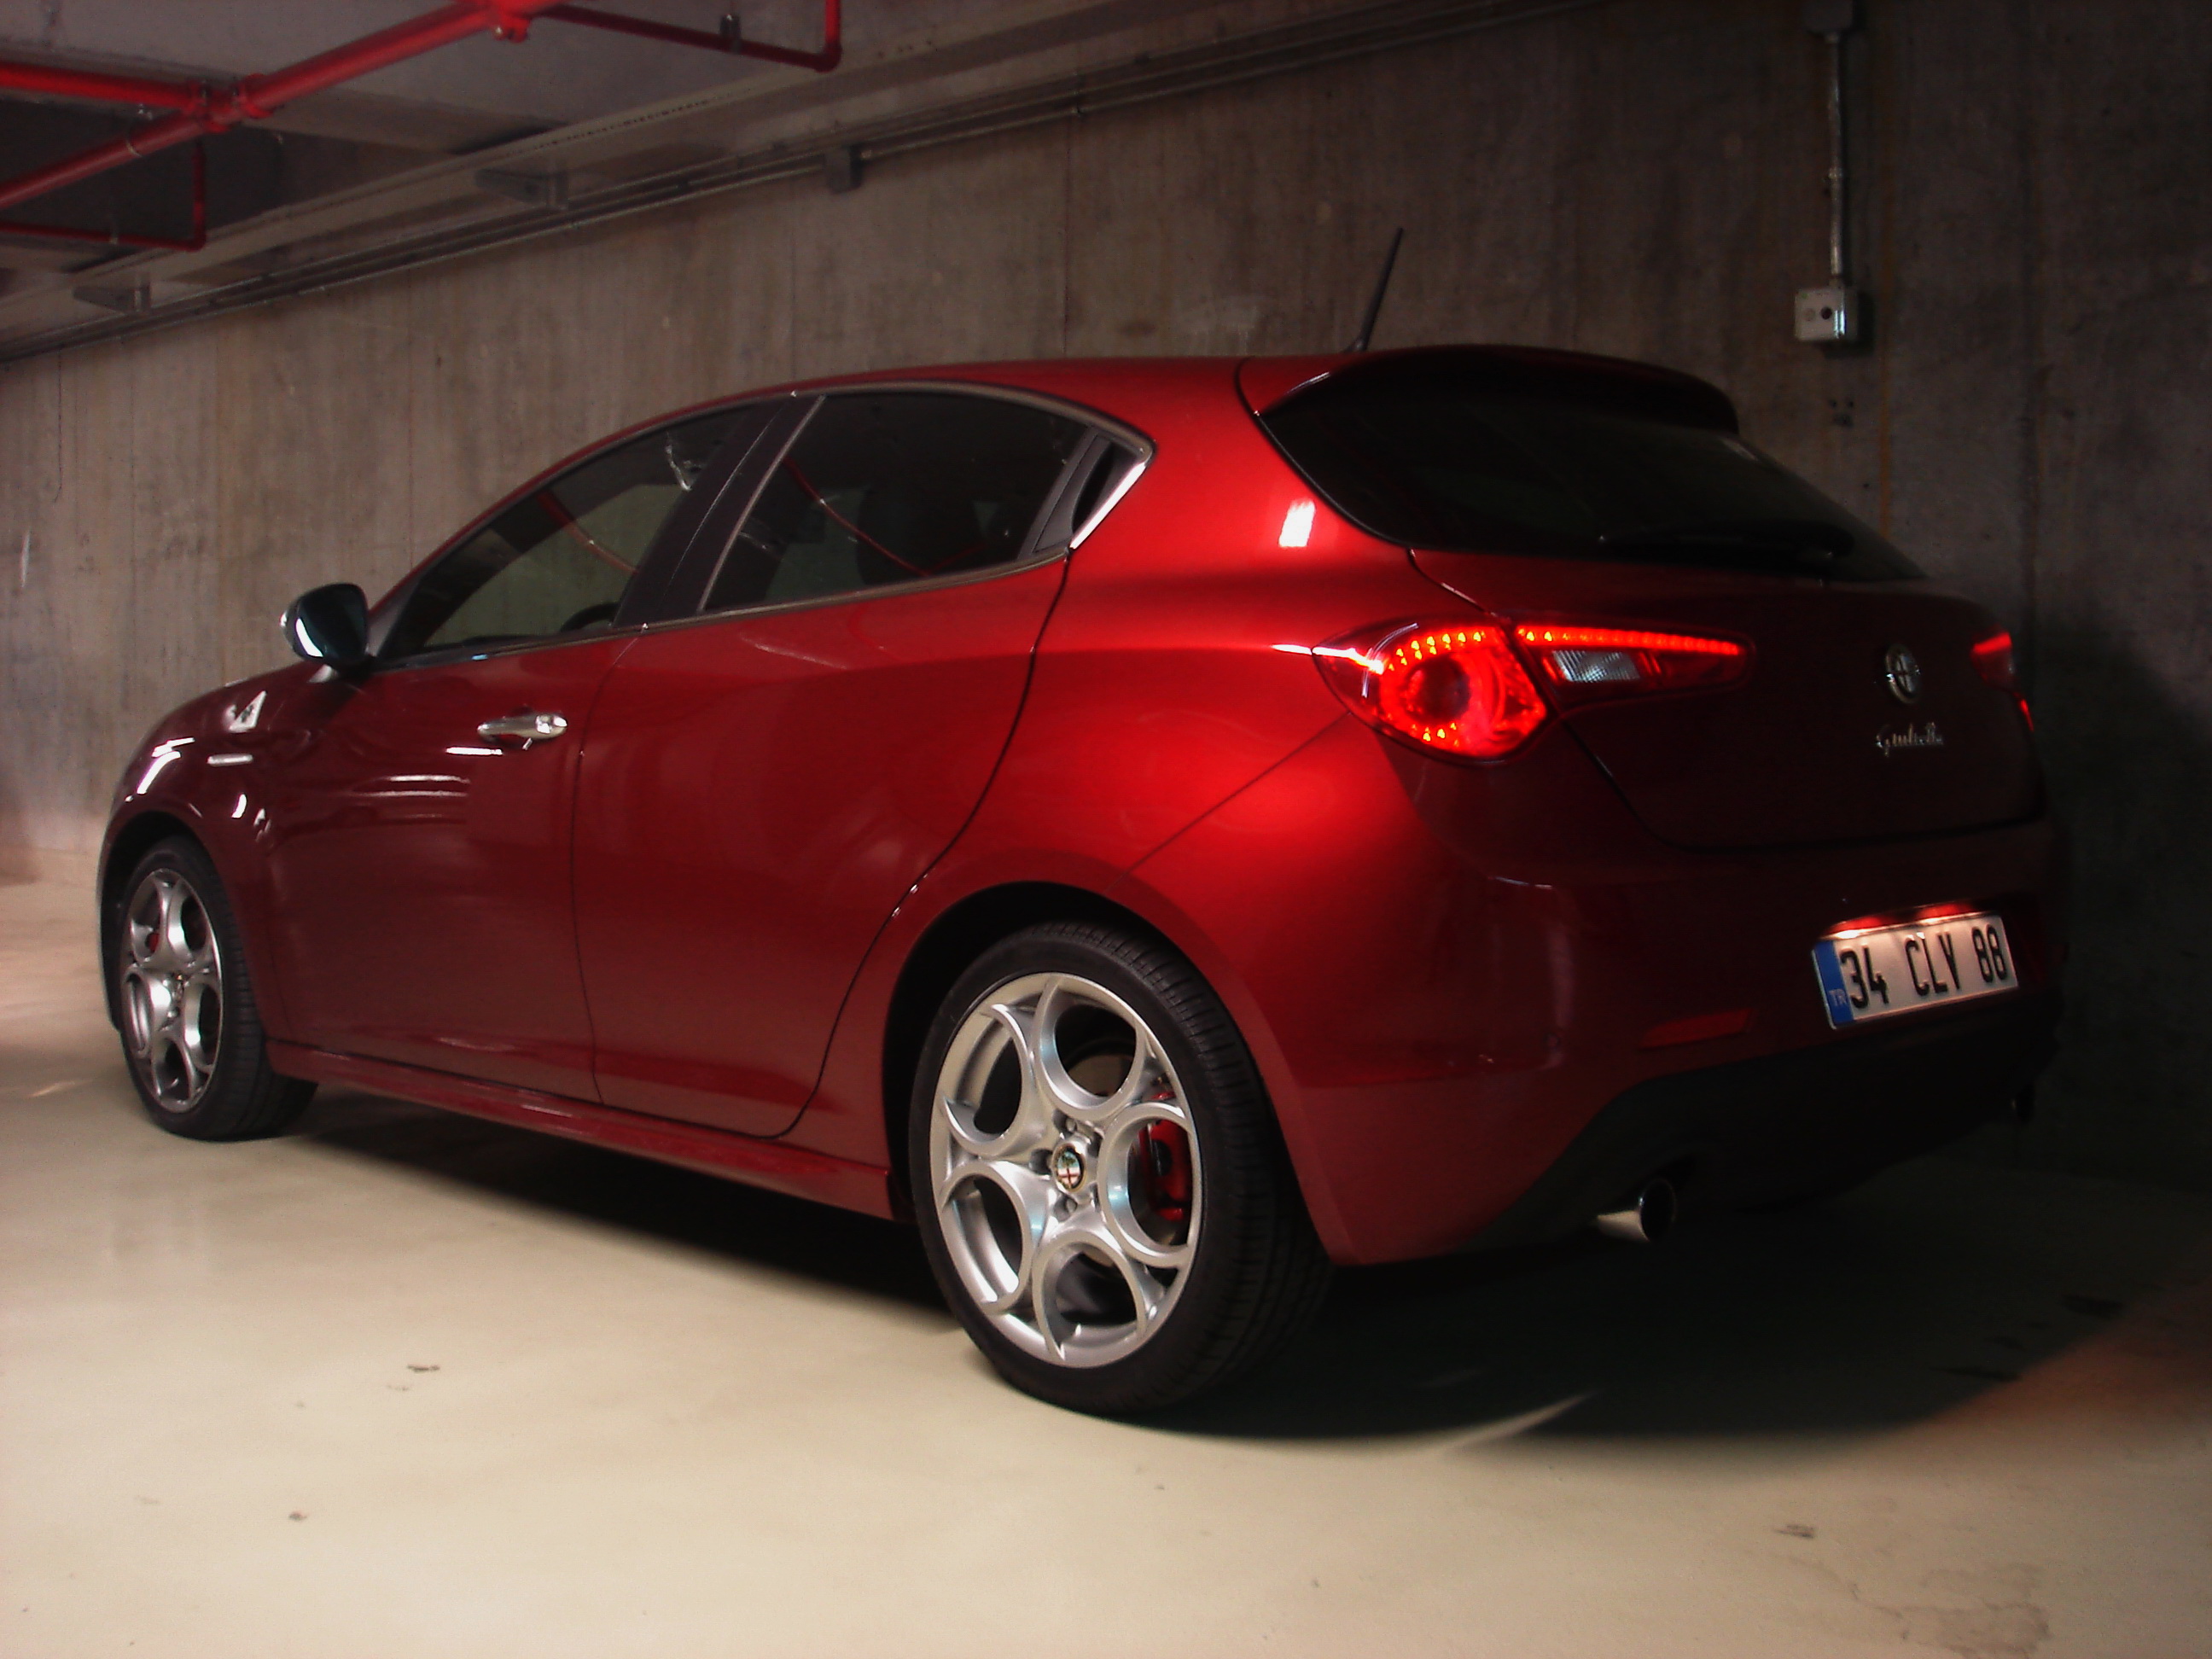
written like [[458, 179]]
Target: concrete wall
[[2031, 420]]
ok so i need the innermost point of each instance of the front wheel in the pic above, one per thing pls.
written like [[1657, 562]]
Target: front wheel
[[1102, 1194], [192, 1031]]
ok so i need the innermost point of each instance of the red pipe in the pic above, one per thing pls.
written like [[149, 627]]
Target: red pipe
[[833, 48], [104, 89], [127, 239], [201, 111], [257, 95], [199, 198], [644, 27]]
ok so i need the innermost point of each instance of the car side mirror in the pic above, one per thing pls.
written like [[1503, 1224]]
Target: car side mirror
[[330, 625]]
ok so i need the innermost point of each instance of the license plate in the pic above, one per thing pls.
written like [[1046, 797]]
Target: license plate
[[1869, 973]]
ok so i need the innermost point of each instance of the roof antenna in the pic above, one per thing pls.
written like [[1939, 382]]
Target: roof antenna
[[1381, 286]]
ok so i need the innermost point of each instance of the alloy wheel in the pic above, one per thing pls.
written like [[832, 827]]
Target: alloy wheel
[[1065, 1170], [172, 990]]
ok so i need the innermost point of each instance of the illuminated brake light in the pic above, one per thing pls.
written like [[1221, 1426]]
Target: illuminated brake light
[[1993, 661], [1586, 661], [1941, 912], [1453, 689], [1462, 689]]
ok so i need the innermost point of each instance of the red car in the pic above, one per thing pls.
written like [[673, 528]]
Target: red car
[[1165, 825]]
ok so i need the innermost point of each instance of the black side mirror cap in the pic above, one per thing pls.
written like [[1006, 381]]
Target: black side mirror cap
[[329, 625]]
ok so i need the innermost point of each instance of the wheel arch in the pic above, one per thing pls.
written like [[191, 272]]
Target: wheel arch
[[127, 843], [951, 942]]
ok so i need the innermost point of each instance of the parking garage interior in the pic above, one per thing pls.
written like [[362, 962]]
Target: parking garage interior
[[403, 1381]]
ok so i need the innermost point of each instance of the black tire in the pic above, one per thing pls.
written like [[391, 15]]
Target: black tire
[[192, 1031], [1253, 1270]]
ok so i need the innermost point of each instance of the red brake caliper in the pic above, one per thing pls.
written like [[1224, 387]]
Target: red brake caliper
[[1166, 1152]]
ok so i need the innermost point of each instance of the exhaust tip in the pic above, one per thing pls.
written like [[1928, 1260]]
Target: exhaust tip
[[1646, 1221]]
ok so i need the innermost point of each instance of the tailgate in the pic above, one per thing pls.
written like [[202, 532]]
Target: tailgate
[[1816, 746]]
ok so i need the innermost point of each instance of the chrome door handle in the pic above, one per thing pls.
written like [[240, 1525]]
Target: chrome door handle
[[531, 728]]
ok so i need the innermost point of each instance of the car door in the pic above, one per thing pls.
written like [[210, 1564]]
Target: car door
[[763, 782], [420, 815]]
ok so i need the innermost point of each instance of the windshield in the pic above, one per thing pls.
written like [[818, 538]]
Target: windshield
[[1441, 461]]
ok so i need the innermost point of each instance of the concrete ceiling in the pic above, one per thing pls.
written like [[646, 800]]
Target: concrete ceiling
[[474, 96], [489, 141], [465, 96]]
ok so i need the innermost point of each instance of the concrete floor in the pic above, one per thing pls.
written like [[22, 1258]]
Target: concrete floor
[[404, 1383]]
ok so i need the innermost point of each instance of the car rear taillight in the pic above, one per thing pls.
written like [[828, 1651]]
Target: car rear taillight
[[1453, 689], [1993, 661], [1466, 689], [1583, 663]]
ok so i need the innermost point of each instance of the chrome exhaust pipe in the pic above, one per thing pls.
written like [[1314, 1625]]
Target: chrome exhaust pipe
[[1647, 1220]]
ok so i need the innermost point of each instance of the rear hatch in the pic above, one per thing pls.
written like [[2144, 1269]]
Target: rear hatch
[[1547, 488], [1812, 746]]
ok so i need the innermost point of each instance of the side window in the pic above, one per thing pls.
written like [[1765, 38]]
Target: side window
[[1106, 474], [558, 561], [887, 486]]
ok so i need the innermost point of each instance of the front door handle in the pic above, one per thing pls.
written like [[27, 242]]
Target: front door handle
[[531, 728]]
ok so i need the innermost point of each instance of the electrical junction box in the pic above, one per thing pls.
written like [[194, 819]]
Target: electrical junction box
[[1828, 316]]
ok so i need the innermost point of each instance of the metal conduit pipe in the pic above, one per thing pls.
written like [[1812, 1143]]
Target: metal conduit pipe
[[729, 40], [1839, 177]]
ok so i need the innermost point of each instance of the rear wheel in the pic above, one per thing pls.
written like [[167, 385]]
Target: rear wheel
[[192, 1030], [1102, 1194]]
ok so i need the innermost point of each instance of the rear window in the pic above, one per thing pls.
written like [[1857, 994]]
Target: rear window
[[896, 487], [1442, 460]]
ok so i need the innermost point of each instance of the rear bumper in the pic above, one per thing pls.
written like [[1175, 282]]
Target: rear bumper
[[1450, 974], [1788, 1125]]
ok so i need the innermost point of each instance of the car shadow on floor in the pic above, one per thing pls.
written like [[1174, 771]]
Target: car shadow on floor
[[1942, 1280], [1938, 1282], [677, 1206]]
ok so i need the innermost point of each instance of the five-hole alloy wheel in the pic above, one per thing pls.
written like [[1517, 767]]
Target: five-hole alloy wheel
[[172, 971], [1062, 1170], [192, 1030], [1101, 1188]]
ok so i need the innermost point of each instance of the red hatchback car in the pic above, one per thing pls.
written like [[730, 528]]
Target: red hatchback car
[[1165, 825]]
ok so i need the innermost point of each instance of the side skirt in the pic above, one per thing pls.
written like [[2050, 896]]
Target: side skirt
[[770, 1163]]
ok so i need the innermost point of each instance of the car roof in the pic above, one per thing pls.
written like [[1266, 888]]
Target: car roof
[[1140, 390]]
